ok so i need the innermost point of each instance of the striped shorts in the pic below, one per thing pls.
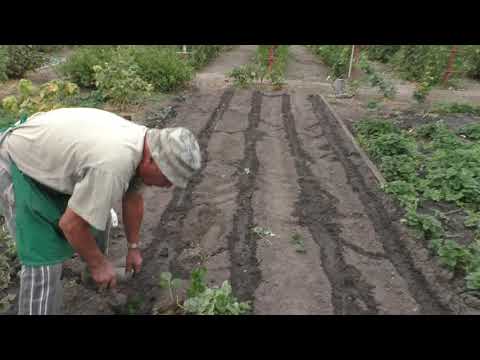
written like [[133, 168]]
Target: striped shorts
[[41, 290]]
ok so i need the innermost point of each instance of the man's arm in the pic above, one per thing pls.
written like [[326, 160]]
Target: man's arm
[[77, 231], [132, 206]]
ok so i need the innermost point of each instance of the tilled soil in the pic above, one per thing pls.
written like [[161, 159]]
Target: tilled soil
[[303, 178], [279, 161]]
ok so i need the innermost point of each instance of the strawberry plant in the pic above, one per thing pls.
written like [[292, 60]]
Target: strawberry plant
[[298, 242], [431, 163], [470, 131]]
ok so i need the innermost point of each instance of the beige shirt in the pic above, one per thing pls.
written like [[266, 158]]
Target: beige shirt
[[89, 153]]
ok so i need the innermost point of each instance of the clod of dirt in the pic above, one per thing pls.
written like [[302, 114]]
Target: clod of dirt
[[190, 257], [117, 300], [163, 252]]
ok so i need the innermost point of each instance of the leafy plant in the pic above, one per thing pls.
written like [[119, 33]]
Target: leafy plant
[[473, 219], [216, 301], [431, 163], [473, 280], [382, 53], [119, 81], [201, 55], [78, 67], [161, 66], [197, 284], [8, 259], [3, 63], [470, 131], [243, 75], [456, 108], [263, 233], [298, 243], [170, 283], [20, 59], [453, 255], [336, 57], [132, 307], [377, 80], [427, 225], [51, 95], [203, 300]]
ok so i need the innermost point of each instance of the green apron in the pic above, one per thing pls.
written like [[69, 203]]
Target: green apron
[[38, 210]]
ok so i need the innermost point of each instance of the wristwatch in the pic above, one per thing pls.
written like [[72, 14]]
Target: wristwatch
[[133, 246]]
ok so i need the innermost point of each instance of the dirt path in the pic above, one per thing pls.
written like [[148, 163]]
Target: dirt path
[[214, 76], [303, 65], [281, 162]]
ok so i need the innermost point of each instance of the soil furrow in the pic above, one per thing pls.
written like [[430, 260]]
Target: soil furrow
[[316, 209], [359, 250], [170, 225], [245, 275], [378, 215]]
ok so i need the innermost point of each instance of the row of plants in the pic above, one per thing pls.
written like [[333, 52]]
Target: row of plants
[[121, 75], [201, 55], [126, 75], [16, 60], [337, 58], [260, 70], [426, 64], [423, 64], [428, 165]]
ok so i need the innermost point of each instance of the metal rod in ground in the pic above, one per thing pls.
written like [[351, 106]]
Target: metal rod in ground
[[351, 62]]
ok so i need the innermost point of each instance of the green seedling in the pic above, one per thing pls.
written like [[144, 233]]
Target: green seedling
[[263, 233], [298, 243], [170, 283]]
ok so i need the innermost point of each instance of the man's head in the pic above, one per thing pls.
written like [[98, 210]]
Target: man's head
[[171, 156]]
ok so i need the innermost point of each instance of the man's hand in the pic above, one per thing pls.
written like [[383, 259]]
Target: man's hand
[[134, 260], [77, 231], [104, 275]]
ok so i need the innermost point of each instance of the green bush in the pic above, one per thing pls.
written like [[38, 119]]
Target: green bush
[[3, 63], [382, 53], [337, 57], [79, 66], [22, 58], [47, 48], [161, 67], [120, 82], [471, 61], [51, 95], [201, 55], [422, 62]]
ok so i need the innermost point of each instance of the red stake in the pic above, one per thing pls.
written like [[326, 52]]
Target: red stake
[[270, 59], [451, 60]]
